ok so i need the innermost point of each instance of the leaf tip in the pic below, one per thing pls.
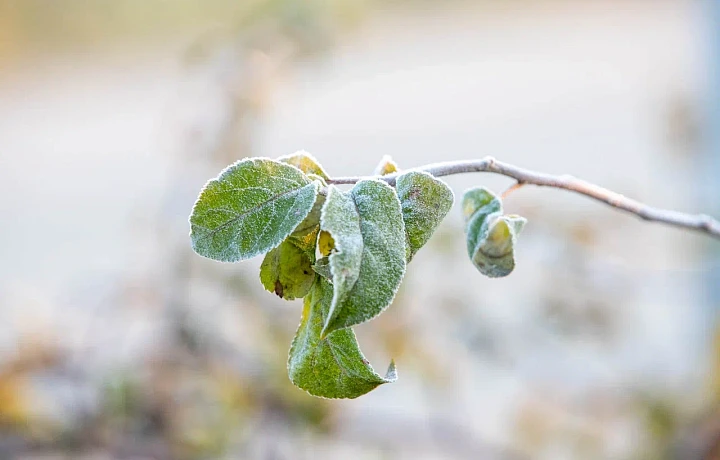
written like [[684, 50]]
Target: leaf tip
[[386, 166], [391, 375], [516, 222]]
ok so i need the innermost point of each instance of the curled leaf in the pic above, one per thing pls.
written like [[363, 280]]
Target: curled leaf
[[479, 202], [368, 261], [491, 236], [425, 202], [306, 163], [341, 240], [334, 366], [386, 166], [250, 208]]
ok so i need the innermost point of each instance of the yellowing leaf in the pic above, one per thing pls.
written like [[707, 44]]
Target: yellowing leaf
[[334, 366], [325, 243], [306, 163], [386, 166], [287, 271]]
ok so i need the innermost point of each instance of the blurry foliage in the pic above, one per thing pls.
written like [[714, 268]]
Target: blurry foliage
[[543, 426], [661, 419], [715, 366], [42, 24], [192, 397], [20, 402]]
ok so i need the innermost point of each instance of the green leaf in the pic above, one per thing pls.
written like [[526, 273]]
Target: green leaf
[[306, 233], [368, 261], [287, 271], [250, 208], [491, 236], [340, 224], [306, 163], [322, 268], [333, 367], [386, 166], [425, 202]]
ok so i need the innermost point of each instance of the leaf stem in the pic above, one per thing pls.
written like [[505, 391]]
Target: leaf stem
[[511, 189], [698, 222]]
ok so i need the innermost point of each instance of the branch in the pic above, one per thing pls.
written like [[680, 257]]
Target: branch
[[698, 222]]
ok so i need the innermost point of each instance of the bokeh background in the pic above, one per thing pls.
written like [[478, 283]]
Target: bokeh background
[[118, 342]]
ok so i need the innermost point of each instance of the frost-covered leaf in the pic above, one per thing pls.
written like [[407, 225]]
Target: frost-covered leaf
[[425, 202], [250, 208], [305, 234], [386, 166], [491, 236], [368, 259], [306, 163], [320, 179], [333, 367], [341, 239], [479, 200], [287, 271], [322, 268]]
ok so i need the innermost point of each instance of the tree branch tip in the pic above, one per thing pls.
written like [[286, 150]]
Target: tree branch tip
[[698, 222], [707, 222]]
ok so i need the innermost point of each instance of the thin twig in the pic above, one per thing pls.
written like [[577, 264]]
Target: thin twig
[[698, 222]]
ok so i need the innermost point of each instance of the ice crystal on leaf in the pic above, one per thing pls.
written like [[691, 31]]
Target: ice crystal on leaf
[[249, 209], [344, 252]]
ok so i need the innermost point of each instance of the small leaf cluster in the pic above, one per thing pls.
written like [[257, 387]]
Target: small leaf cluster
[[344, 252], [491, 235]]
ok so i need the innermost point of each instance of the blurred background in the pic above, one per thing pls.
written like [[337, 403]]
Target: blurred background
[[118, 342]]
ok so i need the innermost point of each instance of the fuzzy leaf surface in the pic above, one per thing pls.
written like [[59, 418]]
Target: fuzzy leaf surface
[[369, 235], [341, 240], [491, 236], [322, 268], [425, 202], [305, 235], [250, 208], [333, 367]]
